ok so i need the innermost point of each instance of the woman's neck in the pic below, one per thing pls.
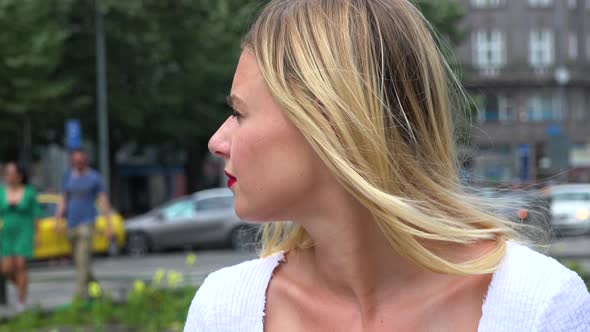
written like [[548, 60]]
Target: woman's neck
[[353, 260], [351, 257], [14, 186]]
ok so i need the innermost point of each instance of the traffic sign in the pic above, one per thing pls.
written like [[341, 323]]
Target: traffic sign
[[73, 134]]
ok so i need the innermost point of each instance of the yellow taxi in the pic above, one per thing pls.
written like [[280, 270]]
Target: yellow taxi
[[50, 244]]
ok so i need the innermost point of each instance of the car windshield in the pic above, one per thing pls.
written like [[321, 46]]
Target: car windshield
[[569, 197], [179, 209]]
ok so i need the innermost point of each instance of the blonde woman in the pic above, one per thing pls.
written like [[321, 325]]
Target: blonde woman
[[343, 126]]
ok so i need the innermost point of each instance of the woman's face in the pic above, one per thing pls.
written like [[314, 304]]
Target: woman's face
[[11, 175], [276, 171]]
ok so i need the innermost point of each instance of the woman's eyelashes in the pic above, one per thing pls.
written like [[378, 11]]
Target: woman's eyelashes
[[232, 112], [236, 114]]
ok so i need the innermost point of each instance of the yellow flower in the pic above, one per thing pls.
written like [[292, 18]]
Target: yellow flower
[[138, 286], [158, 276], [94, 289], [174, 278], [176, 326], [191, 259]]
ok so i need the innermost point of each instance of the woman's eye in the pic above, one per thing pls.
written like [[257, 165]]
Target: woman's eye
[[236, 114]]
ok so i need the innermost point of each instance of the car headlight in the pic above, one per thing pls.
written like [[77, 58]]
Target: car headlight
[[583, 214]]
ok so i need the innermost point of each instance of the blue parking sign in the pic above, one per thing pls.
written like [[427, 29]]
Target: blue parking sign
[[73, 134], [524, 154]]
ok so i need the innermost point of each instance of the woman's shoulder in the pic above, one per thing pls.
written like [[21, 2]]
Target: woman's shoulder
[[31, 191], [521, 261], [540, 289], [3, 202], [233, 296], [252, 273]]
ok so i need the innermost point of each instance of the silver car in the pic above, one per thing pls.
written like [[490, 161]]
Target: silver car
[[206, 218], [570, 209]]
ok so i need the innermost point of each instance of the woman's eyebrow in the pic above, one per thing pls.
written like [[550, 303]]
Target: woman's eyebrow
[[234, 101]]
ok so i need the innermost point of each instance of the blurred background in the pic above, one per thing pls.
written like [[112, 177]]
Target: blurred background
[[141, 86]]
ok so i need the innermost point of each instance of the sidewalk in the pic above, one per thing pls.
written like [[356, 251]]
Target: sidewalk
[[53, 286], [51, 289]]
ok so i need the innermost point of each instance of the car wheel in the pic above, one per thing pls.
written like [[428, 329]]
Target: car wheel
[[243, 238], [137, 244]]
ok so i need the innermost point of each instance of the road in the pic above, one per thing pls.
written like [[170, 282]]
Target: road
[[51, 286]]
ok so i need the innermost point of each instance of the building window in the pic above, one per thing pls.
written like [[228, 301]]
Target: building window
[[572, 4], [543, 108], [540, 3], [489, 49], [493, 108], [541, 48], [572, 45], [486, 3]]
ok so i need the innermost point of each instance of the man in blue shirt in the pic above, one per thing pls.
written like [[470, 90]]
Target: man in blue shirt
[[82, 190]]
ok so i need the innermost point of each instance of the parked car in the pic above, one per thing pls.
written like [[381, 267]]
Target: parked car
[[570, 209], [206, 218], [51, 245]]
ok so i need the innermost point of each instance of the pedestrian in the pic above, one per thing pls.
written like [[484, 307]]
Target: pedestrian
[[342, 125], [19, 212], [83, 190]]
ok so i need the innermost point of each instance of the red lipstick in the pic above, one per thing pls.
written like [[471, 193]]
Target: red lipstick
[[231, 180]]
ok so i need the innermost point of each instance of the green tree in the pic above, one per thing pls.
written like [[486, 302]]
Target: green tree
[[445, 17], [169, 67], [32, 89]]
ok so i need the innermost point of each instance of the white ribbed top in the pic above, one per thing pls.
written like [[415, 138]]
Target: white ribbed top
[[529, 292]]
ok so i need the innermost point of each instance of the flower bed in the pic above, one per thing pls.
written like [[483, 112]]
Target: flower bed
[[151, 309], [161, 305]]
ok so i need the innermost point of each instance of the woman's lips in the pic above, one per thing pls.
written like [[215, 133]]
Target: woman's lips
[[231, 180]]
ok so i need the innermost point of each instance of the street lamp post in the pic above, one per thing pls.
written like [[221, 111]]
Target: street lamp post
[[562, 77], [101, 96]]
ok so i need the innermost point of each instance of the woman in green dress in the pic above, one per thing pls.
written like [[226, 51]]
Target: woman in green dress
[[19, 211]]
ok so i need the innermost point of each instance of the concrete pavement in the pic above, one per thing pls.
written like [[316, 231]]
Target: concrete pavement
[[53, 286]]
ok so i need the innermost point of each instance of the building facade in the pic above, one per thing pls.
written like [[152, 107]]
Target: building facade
[[527, 65]]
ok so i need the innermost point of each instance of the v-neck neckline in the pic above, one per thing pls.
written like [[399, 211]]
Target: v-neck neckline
[[280, 257], [17, 202]]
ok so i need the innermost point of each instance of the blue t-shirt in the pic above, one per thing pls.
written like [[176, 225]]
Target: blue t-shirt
[[81, 192]]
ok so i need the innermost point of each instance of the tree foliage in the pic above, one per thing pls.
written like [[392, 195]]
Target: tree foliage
[[31, 49], [169, 65], [444, 16]]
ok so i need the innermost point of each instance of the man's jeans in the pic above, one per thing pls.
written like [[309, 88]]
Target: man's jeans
[[80, 238]]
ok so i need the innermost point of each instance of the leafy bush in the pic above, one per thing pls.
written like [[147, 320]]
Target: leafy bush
[[578, 269], [147, 308]]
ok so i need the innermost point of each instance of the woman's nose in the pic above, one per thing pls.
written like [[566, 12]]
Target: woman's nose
[[220, 142]]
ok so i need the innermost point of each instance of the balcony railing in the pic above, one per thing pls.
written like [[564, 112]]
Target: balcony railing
[[523, 74]]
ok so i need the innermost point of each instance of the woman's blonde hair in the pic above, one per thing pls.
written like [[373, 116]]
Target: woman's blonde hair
[[366, 84]]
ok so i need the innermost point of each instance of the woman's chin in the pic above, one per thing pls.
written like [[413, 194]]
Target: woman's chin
[[255, 216]]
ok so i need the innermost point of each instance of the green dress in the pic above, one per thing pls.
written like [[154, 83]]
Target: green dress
[[17, 224]]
